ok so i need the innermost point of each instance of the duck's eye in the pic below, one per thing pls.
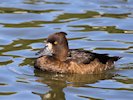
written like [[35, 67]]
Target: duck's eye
[[55, 42]]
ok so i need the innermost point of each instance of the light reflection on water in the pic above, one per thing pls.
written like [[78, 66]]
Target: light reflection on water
[[95, 25]]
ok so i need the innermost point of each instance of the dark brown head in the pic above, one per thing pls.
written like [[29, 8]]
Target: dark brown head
[[57, 45]]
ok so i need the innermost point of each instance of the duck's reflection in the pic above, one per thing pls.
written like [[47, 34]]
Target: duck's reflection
[[57, 82]]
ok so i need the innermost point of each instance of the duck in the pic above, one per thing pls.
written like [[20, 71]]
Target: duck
[[58, 58]]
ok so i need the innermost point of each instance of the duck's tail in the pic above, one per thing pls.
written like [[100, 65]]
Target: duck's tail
[[115, 58]]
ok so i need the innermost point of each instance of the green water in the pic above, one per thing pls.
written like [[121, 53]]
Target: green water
[[102, 26]]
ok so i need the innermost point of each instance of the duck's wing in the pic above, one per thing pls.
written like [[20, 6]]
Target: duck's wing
[[81, 56], [84, 56]]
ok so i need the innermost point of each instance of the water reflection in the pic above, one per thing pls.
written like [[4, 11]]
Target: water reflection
[[58, 82]]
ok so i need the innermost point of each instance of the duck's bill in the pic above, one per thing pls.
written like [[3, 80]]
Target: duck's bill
[[44, 51]]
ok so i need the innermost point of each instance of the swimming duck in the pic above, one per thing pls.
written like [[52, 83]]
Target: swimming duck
[[57, 57]]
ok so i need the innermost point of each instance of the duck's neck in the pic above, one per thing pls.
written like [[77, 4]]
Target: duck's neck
[[62, 51]]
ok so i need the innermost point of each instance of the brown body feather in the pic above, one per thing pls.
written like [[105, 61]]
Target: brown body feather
[[77, 62]]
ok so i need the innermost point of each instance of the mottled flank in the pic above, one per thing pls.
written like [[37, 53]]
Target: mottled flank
[[65, 60]]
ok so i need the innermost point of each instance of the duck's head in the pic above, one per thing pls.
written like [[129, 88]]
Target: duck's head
[[56, 46]]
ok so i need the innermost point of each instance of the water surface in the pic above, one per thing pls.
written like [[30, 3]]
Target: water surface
[[102, 26]]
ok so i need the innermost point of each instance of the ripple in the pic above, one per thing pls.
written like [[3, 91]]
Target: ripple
[[114, 85], [96, 93], [7, 93], [5, 60], [23, 53]]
